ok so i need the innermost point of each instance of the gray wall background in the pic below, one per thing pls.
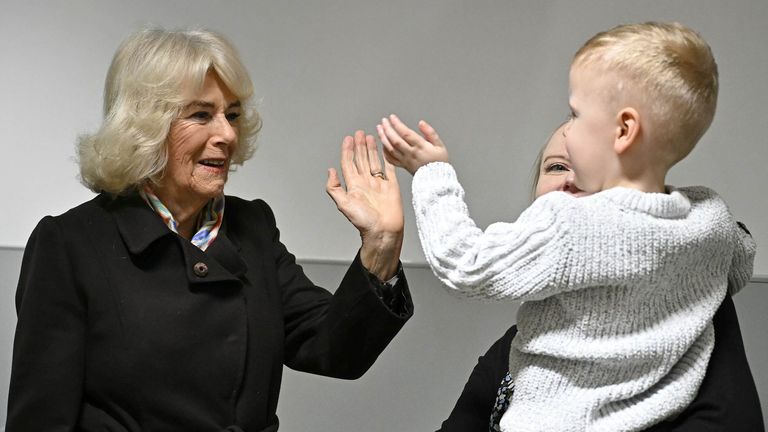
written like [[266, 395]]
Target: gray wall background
[[490, 75]]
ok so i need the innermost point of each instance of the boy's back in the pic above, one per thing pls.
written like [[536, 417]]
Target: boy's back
[[620, 291]]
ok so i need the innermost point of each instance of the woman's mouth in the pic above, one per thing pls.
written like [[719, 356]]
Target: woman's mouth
[[213, 163]]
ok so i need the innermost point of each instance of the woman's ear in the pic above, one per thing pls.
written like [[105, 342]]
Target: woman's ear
[[628, 129]]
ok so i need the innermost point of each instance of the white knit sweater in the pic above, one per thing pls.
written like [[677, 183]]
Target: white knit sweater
[[619, 292]]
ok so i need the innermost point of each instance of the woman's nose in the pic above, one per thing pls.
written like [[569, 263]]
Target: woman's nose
[[225, 131]]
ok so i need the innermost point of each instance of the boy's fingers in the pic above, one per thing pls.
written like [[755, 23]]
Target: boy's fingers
[[409, 135], [391, 159], [393, 156], [430, 133], [398, 139], [394, 139], [388, 147]]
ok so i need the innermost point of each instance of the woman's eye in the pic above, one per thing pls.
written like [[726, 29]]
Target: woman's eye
[[200, 115], [557, 167], [232, 116]]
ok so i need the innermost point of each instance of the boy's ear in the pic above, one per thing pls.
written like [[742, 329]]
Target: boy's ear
[[628, 129]]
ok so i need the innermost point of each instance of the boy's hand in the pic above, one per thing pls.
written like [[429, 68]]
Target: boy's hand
[[407, 149]]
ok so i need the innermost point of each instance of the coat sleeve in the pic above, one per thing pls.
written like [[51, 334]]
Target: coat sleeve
[[339, 334], [48, 351]]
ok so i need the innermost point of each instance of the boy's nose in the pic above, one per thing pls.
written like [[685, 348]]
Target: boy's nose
[[568, 184], [566, 127]]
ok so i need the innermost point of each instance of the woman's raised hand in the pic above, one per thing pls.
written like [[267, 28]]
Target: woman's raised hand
[[371, 201]]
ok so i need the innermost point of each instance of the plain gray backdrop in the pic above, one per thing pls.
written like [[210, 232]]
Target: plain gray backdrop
[[491, 76]]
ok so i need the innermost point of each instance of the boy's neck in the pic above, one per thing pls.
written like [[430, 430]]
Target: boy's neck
[[641, 185], [649, 179], [643, 168]]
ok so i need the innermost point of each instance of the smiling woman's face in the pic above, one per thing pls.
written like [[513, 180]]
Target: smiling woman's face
[[555, 169], [200, 144]]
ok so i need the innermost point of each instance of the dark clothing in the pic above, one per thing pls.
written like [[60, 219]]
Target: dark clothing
[[727, 399], [126, 326], [472, 412]]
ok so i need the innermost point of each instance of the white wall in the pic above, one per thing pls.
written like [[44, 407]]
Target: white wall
[[491, 75]]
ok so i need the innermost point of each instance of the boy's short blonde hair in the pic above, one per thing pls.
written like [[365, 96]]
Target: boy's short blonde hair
[[674, 70], [146, 88]]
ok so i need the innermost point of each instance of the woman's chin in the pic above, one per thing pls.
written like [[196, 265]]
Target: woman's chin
[[210, 190]]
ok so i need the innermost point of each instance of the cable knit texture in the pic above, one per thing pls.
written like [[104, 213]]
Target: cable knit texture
[[619, 289]]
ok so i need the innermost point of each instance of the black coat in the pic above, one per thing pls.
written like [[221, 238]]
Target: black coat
[[125, 326]]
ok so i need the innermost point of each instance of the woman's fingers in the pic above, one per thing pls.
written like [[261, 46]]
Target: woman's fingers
[[361, 154], [333, 187], [389, 170], [373, 155], [360, 159], [347, 157]]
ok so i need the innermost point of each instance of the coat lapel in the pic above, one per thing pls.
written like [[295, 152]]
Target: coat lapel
[[140, 227]]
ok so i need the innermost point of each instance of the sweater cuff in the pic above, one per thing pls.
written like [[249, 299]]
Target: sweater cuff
[[431, 177]]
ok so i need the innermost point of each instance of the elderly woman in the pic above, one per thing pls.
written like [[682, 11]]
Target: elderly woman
[[727, 399], [163, 304]]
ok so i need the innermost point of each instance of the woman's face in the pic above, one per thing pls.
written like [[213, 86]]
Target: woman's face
[[201, 143], [555, 170]]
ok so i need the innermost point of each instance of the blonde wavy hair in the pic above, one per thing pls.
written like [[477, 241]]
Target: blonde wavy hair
[[144, 92], [671, 67]]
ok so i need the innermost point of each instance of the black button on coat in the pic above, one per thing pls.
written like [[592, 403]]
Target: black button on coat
[[125, 326]]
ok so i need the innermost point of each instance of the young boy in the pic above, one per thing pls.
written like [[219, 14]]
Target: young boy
[[620, 287]]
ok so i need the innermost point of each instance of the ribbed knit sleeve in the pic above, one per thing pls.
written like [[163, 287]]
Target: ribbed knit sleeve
[[478, 263], [559, 244]]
